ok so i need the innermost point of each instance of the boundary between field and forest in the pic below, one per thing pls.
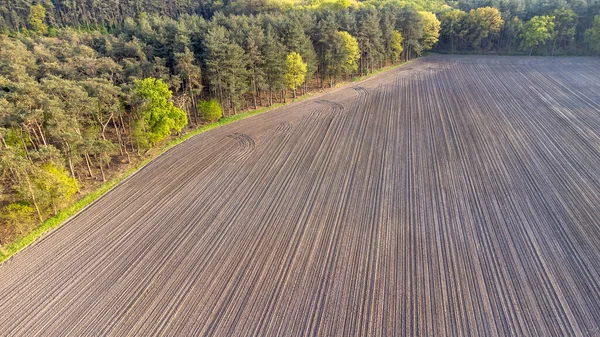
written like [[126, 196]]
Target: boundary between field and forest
[[90, 198]]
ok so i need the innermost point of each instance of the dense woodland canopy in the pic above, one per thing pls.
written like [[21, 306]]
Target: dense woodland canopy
[[87, 87]]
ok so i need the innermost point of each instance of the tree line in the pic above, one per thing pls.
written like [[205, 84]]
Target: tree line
[[554, 27], [78, 105]]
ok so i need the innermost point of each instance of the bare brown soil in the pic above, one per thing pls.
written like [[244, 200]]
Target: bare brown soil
[[455, 196]]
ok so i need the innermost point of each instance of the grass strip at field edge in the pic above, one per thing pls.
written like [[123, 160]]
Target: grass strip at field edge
[[80, 205]]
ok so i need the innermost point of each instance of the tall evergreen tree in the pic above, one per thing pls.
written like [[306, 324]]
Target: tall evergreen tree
[[256, 72], [191, 77], [370, 40], [410, 25], [274, 63]]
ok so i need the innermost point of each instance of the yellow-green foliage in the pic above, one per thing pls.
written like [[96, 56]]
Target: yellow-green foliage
[[37, 19], [282, 5], [20, 217], [55, 187], [333, 4], [536, 31], [397, 44], [296, 71], [210, 110], [431, 30], [352, 52], [159, 116], [484, 23]]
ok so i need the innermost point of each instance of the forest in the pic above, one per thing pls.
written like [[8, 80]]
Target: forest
[[87, 88]]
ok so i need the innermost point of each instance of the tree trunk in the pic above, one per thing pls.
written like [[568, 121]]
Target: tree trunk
[[259, 98], [3, 141], [41, 133], [102, 171], [88, 163], [118, 135], [71, 167], [33, 199], [254, 94], [24, 146]]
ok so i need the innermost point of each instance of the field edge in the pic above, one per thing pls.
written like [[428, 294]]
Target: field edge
[[65, 215]]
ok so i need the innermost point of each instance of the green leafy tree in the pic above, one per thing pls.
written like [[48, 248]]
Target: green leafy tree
[[592, 35], [431, 30], [513, 30], [37, 19], [454, 27], [21, 171], [55, 187], [397, 48], [485, 24], [537, 31], [349, 54], [158, 116], [296, 71], [565, 24], [296, 40], [19, 217], [210, 110]]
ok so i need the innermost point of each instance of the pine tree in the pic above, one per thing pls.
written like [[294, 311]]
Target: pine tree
[[369, 40], [256, 73], [191, 77], [388, 25], [274, 65], [298, 41], [326, 42], [226, 66], [410, 26]]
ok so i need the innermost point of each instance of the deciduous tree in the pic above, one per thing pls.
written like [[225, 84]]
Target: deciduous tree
[[210, 110], [536, 31], [348, 54], [161, 117], [454, 27], [485, 24], [592, 35], [296, 71], [37, 19], [431, 30]]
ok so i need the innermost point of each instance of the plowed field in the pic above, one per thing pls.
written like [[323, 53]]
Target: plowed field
[[454, 196]]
